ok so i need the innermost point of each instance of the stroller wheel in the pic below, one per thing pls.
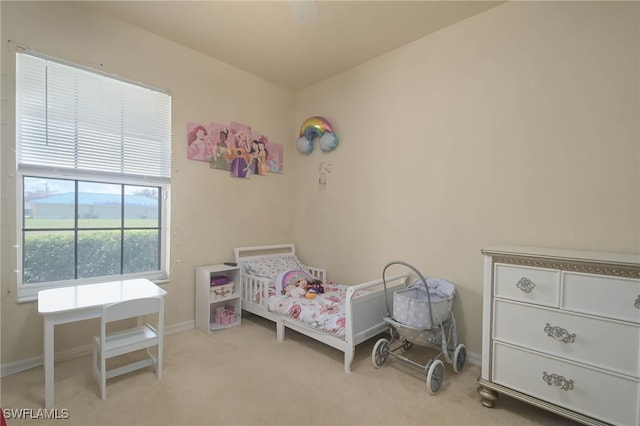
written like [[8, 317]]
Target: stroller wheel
[[380, 353], [435, 376], [459, 358], [406, 345]]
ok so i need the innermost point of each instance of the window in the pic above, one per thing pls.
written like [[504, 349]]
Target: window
[[94, 167]]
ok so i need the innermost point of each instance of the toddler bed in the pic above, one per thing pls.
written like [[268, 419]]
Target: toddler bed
[[340, 316]]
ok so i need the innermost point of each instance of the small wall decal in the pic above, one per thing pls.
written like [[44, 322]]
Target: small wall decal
[[323, 170]]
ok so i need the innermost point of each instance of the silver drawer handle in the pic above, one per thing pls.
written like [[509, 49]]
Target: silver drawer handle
[[556, 380], [637, 304], [559, 333], [525, 284]]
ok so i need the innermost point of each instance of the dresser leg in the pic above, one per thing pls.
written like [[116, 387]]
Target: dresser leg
[[489, 396]]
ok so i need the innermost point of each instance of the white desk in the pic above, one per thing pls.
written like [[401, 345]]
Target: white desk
[[75, 303]]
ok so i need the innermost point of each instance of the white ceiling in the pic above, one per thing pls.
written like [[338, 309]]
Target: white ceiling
[[266, 39]]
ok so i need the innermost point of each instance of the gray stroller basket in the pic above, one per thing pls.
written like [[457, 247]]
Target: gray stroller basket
[[424, 318]]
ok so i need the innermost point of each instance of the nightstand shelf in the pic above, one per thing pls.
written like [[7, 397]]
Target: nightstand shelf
[[207, 304]]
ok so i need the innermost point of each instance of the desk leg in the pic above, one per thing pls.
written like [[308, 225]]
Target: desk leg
[[48, 362]]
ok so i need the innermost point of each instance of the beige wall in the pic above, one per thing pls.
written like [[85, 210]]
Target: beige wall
[[211, 212], [519, 125]]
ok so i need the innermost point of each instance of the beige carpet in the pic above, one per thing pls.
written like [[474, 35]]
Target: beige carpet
[[243, 376]]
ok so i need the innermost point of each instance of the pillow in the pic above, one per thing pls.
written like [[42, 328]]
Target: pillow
[[270, 267], [283, 279]]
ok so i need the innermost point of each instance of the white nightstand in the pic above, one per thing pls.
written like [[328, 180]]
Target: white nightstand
[[206, 304]]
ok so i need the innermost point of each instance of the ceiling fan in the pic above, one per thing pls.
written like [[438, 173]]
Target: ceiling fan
[[303, 10]]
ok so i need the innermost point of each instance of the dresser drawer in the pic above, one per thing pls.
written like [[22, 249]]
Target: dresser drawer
[[604, 396], [607, 296], [534, 285], [612, 345]]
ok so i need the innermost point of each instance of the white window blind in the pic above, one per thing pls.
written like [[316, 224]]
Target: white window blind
[[69, 118]]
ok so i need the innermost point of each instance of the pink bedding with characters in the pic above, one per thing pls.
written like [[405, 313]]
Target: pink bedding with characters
[[320, 305]]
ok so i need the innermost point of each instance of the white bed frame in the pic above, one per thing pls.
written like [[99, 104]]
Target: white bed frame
[[364, 314]]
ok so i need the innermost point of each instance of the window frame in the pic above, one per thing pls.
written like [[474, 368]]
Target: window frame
[[29, 291]]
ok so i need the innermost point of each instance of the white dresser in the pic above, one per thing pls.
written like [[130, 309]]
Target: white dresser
[[561, 330]]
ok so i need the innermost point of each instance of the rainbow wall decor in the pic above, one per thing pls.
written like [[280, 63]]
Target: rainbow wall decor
[[316, 127]]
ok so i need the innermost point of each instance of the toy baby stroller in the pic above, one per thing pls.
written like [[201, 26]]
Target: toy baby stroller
[[422, 316]]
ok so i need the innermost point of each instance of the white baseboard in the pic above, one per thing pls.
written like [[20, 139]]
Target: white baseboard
[[26, 364], [474, 358]]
